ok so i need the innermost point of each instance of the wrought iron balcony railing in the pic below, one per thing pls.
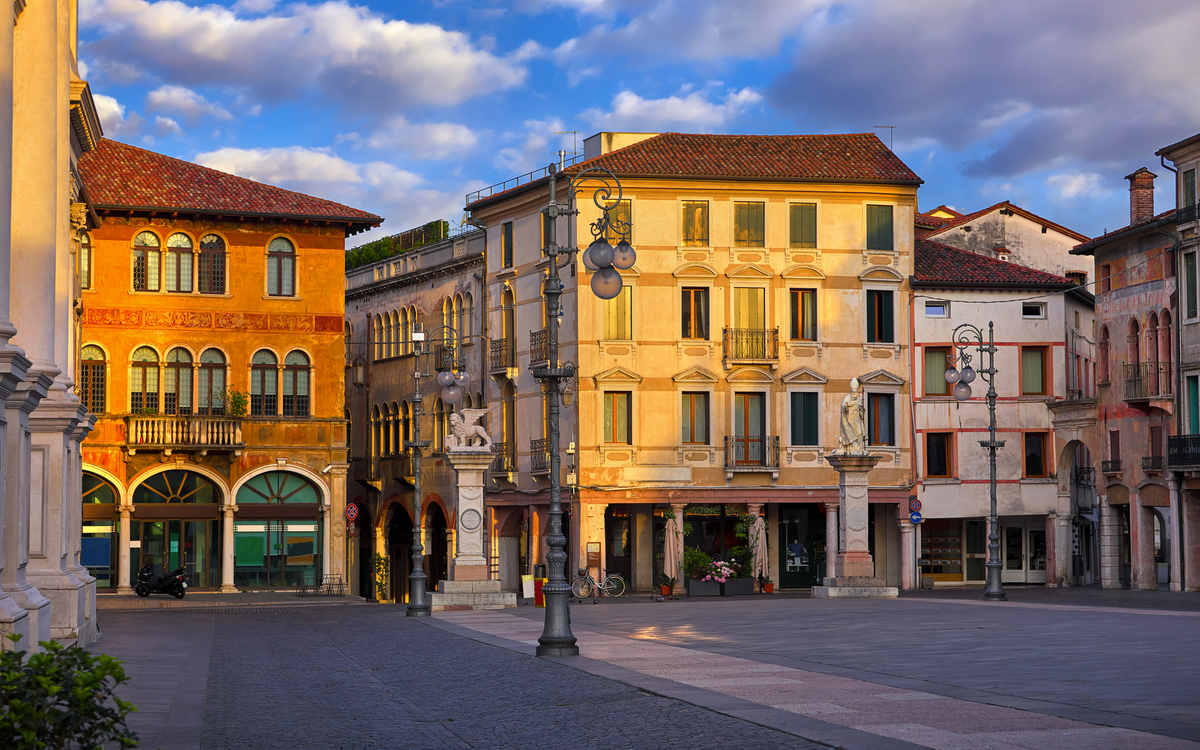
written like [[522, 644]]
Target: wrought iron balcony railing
[[1183, 451], [502, 355], [1111, 467], [506, 458], [1148, 381], [1153, 464], [751, 344], [1187, 214], [364, 469], [743, 453], [162, 432], [539, 460], [539, 346]]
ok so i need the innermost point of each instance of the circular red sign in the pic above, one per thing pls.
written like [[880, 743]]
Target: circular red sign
[[914, 505], [351, 512]]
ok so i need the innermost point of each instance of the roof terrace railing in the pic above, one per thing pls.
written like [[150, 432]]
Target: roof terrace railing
[[520, 180]]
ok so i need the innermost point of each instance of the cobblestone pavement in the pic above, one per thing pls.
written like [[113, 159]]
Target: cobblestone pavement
[[367, 677]]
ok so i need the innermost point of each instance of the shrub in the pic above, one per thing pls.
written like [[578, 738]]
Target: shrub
[[62, 697], [695, 563]]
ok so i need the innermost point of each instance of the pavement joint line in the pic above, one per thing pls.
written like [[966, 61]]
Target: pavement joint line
[[1054, 607], [696, 696]]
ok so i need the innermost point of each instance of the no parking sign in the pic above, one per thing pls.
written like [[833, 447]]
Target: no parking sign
[[351, 512]]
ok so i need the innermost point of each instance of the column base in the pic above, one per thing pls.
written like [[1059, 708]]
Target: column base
[[468, 571], [854, 587], [453, 596], [229, 589], [855, 565], [555, 650], [68, 605], [37, 614]]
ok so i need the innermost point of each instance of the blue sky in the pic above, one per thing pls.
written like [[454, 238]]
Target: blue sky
[[402, 107]]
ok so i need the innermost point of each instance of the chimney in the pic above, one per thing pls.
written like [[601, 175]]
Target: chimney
[[1141, 195]]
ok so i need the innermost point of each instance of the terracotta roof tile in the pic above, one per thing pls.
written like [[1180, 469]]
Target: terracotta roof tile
[[850, 157], [938, 263], [119, 175], [1083, 247]]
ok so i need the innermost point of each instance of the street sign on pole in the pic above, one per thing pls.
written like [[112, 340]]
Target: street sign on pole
[[351, 512], [914, 505], [915, 517]]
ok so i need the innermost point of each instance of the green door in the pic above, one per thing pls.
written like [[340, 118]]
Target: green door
[[801, 546]]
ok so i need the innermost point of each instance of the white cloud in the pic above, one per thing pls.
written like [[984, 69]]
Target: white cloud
[[183, 101], [430, 140], [346, 53], [164, 126], [693, 111], [83, 70], [1078, 185], [540, 140], [279, 165], [113, 119]]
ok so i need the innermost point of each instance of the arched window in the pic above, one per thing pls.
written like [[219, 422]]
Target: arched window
[[396, 439], [1151, 349], [281, 267], [378, 338], [1102, 355], [508, 314], [279, 487], [439, 425], [212, 383], [404, 331], [97, 491], [145, 262], [143, 381], [375, 448], [468, 315], [447, 312], [91, 378], [1134, 343], [212, 264], [405, 425], [263, 374], [295, 385], [179, 263], [413, 325], [389, 335], [85, 261], [177, 382], [177, 487]]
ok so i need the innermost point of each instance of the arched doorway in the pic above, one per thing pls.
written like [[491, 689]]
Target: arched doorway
[[437, 557], [98, 546], [399, 544], [176, 524], [364, 531], [277, 534]]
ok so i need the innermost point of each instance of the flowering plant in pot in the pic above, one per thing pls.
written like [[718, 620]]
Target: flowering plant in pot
[[766, 584], [667, 584], [697, 565]]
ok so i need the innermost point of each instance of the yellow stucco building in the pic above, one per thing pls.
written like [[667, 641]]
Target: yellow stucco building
[[201, 290], [771, 271]]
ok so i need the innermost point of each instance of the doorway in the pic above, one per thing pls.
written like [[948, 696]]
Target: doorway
[[192, 545], [802, 546], [1023, 551], [619, 545], [437, 558]]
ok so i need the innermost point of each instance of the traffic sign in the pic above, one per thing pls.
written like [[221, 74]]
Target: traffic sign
[[914, 505], [351, 512], [915, 517]]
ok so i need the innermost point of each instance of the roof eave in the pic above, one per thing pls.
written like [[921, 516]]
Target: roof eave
[[1085, 248], [367, 220], [916, 283]]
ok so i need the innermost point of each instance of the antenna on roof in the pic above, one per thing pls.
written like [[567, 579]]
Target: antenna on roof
[[891, 134], [574, 141]]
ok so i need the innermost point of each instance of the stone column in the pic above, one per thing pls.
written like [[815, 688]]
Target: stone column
[[1065, 536], [1052, 559], [337, 544], [1141, 532], [908, 561], [680, 586], [831, 540], [1191, 541], [1110, 545], [1176, 553], [854, 567], [7, 330], [469, 465], [123, 551], [227, 550]]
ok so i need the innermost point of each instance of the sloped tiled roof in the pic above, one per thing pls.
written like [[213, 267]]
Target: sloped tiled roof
[[1085, 248], [936, 263], [925, 221], [118, 175], [850, 157], [962, 219]]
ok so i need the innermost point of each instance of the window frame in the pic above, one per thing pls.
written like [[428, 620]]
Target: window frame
[[146, 367], [210, 256], [611, 236], [816, 225], [736, 207], [707, 239], [1046, 374], [948, 438], [280, 257], [873, 398], [687, 303], [1046, 472], [816, 426], [259, 376], [867, 211], [1039, 315], [609, 422], [870, 318], [945, 351], [795, 314], [294, 373], [506, 246], [944, 304], [1190, 286], [207, 371], [85, 261], [179, 369], [688, 402], [627, 294], [91, 370], [1187, 192], [146, 251], [178, 254]]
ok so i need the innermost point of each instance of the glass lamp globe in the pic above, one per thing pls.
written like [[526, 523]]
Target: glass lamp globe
[[624, 257], [951, 375], [445, 378], [602, 253], [606, 283], [962, 391], [460, 378], [967, 375], [451, 394], [586, 257]]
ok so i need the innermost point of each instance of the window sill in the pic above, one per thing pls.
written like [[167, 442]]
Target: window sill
[[282, 297], [505, 273], [797, 347], [874, 348], [935, 481], [147, 293], [1038, 480], [618, 453]]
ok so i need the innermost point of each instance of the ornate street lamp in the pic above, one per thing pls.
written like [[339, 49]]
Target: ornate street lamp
[[964, 337], [605, 262], [446, 364]]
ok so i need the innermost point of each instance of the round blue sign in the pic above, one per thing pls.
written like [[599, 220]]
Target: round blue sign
[[915, 517]]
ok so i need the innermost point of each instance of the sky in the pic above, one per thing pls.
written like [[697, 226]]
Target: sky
[[401, 108]]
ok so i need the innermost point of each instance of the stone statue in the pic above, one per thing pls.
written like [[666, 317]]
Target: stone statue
[[463, 429], [854, 426]]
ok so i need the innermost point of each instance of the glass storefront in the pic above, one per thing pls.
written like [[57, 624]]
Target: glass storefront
[[98, 546], [176, 524], [802, 547], [277, 534]]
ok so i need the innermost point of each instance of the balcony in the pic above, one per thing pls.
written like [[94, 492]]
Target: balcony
[[750, 345], [539, 460], [502, 355], [1110, 467], [759, 453], [398, 467], [1183, 451], [364, 469], [1153, 464], [1148, 381], [506, 458], [539, 347], [1186, 214], [183, 433]]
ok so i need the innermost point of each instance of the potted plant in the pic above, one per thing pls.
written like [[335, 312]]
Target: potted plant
[[766, 585], [698, 567], [383, 571], [667, 584], [737, 582]]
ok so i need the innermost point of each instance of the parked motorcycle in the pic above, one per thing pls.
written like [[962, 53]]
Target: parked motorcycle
[[173, 583]]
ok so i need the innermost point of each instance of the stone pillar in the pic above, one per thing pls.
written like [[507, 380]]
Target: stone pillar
[[854, 567], [1141, 539], [1191, 541], [1064, 536], [123, 555], [380, 530], [831, 540], [227, 550], [1175, 556], [7, 330], [680, 586], [1110, 545], [1052, 558], [338, 539], [908, 560], [469, 465]]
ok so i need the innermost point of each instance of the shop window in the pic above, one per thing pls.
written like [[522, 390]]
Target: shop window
[[879, 228], [1033, 371], [281, 268], [803, 220], [1036, 464], [695, 313], [749, 224], [178, 271], [143, 381], [263, 384], [618, 316], [695, 223], [937, 454], [618, 417], [804, 314], [880, 316], [92, 376], [212, 264], [295, 385], [942, 549], [806, 418], [145, 262], [695, 418], [881, 413], [211, 391]]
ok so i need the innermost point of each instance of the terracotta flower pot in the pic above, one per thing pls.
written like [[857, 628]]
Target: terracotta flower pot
[[666, 589], [769, 588]]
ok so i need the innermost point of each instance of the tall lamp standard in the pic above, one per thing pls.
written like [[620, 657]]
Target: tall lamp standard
[[605, 261], [446, 363], [964, 337]]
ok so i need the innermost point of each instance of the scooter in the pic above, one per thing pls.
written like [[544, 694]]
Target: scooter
[[173, 583]]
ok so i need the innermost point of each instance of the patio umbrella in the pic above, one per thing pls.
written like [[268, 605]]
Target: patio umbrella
[[671, 549], [758, 537]]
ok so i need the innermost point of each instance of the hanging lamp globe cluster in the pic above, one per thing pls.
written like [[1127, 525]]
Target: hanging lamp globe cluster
[[605, 262], [961, 380], [451, 383]]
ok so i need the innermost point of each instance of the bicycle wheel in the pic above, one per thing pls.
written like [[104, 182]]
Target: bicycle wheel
[[581, 588], [614, 585]]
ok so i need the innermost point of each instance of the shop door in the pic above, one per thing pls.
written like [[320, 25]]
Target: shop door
[[188, 544], [802, 546], [1023, 554], [619, 549]]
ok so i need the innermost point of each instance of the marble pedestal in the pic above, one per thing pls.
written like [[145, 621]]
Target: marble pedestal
[[855, 569]]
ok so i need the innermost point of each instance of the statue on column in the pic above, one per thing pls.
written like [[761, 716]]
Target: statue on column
[[854, 425]]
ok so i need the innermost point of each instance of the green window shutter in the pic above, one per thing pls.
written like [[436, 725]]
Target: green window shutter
[[804, 225], [1193, 394], [1189, 187], [879, 228], [884, 308], [1189, 281], [811, 412], [871, 304]]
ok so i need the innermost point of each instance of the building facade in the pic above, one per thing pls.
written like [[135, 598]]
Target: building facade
[[421, 290], [47, 123], [771, 271], [213, 356]]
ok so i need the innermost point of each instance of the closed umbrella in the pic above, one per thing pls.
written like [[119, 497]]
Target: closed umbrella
[[671, 549], [758, 537]]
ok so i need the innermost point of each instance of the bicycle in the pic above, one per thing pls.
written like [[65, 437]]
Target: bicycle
[[586, 586]]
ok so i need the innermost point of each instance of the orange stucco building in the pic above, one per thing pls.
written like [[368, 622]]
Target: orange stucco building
[[199, 290]]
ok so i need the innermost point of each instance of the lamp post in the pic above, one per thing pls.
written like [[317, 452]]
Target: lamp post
[[451, 377], [964, 337], [605, 261]]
